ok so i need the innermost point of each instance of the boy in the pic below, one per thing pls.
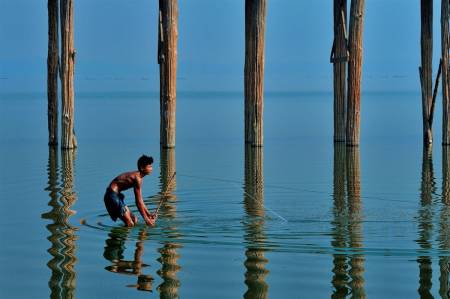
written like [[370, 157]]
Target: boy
[[114, 198]]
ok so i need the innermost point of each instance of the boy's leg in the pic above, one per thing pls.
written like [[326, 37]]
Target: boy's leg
[[127, 217]]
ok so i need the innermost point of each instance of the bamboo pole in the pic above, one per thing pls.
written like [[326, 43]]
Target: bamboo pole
[[354, 71], [167, 59], [425, 71], [67, 75], [445, 47], [255, 27], [52, 72], [339, 59]]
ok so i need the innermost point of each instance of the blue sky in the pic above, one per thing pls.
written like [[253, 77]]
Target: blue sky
[[116, 44]]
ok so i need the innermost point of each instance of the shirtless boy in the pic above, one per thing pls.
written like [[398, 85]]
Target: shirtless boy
[[114, 199]]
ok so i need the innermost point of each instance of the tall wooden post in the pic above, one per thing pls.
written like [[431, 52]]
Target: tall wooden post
[[255, 27], [67, 75], [354, 71], [445, 72], [425, 71], [339, 57], [167, 60], [52, 72]]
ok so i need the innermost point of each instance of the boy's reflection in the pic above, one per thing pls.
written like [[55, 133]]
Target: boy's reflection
[[62, 234], [114, 249], [347, 229], [255, 262]]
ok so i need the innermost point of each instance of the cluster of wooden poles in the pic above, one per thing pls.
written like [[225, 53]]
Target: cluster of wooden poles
[[346, 55]]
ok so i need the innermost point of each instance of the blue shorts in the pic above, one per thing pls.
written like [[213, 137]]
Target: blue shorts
[[114, 204]]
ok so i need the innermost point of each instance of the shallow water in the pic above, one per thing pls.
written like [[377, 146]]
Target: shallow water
[[299, 218]]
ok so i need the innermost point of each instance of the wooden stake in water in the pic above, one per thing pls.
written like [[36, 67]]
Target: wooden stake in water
[[52, 72], [255, 27], [354, 71], [167, 60], [68, 140]]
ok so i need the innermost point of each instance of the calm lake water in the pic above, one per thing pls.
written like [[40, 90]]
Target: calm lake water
[[299, 218]]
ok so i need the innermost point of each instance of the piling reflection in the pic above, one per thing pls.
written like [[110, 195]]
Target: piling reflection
[[255, 262], [62, 236], [169, 255], [114, 252], [348, 269], [444, 225], [425, 222]]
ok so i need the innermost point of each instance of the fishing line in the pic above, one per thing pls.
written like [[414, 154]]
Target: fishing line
[[239, 184]]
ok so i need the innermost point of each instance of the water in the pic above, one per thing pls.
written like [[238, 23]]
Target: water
[[300, 218]]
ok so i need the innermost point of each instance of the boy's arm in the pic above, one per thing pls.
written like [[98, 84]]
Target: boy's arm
[[148, 217]]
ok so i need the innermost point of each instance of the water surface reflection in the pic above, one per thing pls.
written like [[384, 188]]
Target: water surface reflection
[[256, 262], [347, 232], [62, 236], [169, 255], [114, 252]]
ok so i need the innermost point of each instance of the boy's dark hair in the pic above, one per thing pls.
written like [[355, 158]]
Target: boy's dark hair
[[143, 161]]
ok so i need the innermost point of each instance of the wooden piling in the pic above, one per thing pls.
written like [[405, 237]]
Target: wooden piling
[[354, 71], [67, 75], [52, 72], [339, 57], [445, 47], [425, 71], [167, 60], [255, 27]]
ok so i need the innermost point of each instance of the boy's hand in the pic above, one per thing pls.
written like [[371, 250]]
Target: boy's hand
[[151, 219]]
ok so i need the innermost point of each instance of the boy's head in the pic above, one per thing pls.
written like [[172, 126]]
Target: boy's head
[[143, 161]]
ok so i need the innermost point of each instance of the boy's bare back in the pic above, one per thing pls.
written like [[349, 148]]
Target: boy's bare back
[[126, 181]]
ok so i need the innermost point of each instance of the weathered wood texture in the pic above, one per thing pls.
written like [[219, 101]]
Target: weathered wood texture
[[425, 71], [354, 71], [167, 59], [339, 59], [445, 71], [52, 72], [255, 263], [67, 75], [255, 27]]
